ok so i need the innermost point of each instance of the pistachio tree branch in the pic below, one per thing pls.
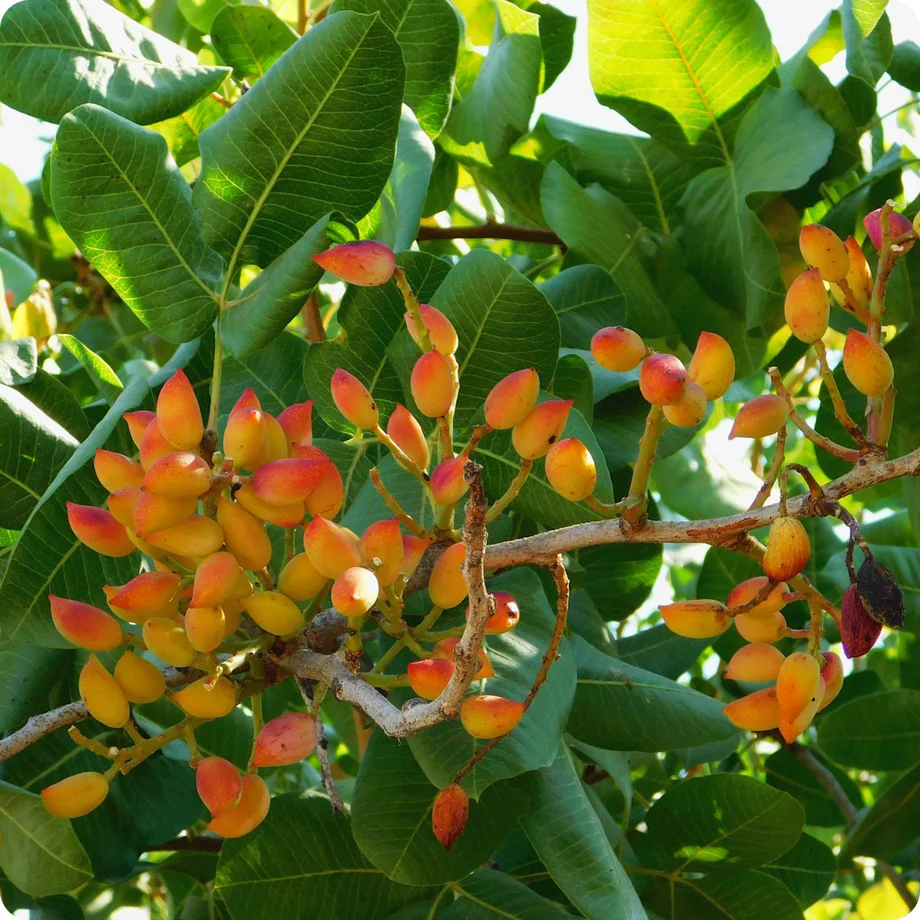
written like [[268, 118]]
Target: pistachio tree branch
[[307, 664], [47, 722], [714, 531]]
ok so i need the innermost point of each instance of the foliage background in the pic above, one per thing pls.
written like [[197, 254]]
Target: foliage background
[[660, 785]]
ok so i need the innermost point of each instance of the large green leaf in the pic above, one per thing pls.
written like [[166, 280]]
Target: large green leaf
[[18, 276], [48, 558], [33, 449], [302, 861], [496, 110], [570, 841], [275, 296], [40, 854], [644, 174], [120, 197], [601, 228], [151, 804], [807, 870], [658, 649], [585, 297], [721, 823], [58, 54], [623, 708], [250, 39], [779, 144], [889, 826], [876, 732], [787, 774], [618, 577], [391, 819], [260, 191], [695, 59], [744, 896], [429, 35], [29, 672], [371, 319], [516, 657], [490, 895], [869, 50]]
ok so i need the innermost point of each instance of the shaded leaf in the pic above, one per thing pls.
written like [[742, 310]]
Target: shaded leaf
[[490, 895], [721, 823], [303, 861], [571, 843], [250, 39], [29, 672], [807, 870], [889, 826], [623, 708], [391, 819]]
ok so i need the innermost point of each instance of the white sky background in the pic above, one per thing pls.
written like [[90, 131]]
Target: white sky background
[[24, 140]]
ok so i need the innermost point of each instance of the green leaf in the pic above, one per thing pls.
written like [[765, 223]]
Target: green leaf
[[18, 361], [571, 843], [866, 13], [391, 819], [40, 854], [200, 14], [395, 218], [48, 558], [644, 174], [371, 319], [619, 577], [876, 732], [785, 773], [15, 201], [504, 324], [120, 197], [600, 227], [429, 35], [182, 132], [557, 39], [151, 804], [622, 708], [33, 449], [18, 276], [516, 657], [275, 296], [490, 895], [54, 398], [888, 827], [695, 60], [585, 298], [661, 651], [55, 56], [721, 823], [869, 51], [745, 896], [259, 191], [100, 373], [29, 673], [905, 65], [302, 861], [250, 39], [779, 144], [807, 870], [496, 110], [573, 381]]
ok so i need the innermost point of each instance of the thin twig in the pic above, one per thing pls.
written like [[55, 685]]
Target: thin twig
[[322, 748], [561, 578], [849, 812], [840, 407], [489, 232], [769, 479]]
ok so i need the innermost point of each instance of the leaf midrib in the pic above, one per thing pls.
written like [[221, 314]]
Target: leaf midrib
[[269, 186], [88, 52]]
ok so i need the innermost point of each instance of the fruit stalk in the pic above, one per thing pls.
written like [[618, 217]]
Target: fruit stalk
[[840, 409], [393, 504], [637, 499], [819, 440], [511, 492]]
